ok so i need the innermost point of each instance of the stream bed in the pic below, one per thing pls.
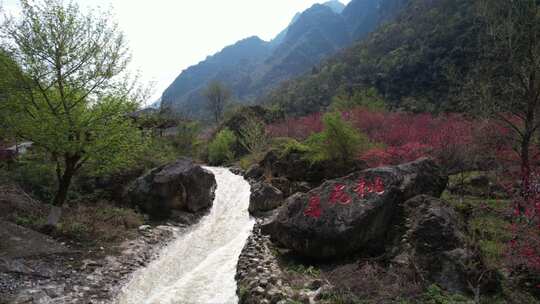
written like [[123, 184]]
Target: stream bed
[[199, 266]]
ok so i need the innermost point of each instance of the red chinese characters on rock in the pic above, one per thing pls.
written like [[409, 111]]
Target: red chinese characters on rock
[[340, 196], [314, 207], [364, 187]]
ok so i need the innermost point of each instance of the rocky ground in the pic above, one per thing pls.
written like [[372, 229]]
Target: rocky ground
[[73, 276], [375, 236], [262, 279]]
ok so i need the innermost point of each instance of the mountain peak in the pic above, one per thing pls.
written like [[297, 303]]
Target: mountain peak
[[335, 5]]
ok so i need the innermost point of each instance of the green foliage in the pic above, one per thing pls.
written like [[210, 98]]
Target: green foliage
[[253, 136], [290, 145], [35, 176], [435, 295], [492, 234], [304, 270], [406, 59], [220, 150], [339, 141], [30, 221], [367, 98], [217, 95], [70, 96], [187, 141], [247, 161]]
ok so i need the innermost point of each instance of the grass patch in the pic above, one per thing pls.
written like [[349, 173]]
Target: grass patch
[[435, 295], [304, 270]]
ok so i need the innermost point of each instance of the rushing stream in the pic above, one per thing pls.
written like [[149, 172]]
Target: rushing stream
[[199, 266]]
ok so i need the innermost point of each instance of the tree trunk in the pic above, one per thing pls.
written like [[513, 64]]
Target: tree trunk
[[64, 182]]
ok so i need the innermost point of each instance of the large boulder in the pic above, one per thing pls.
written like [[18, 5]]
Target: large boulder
[[434, 243], [182, 185], [351, 213], [264, 197]]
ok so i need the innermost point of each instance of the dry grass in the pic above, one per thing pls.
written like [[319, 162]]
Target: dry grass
[[99, 223], [373, 283]]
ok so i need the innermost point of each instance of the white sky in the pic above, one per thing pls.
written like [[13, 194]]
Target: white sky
[[167, 36]]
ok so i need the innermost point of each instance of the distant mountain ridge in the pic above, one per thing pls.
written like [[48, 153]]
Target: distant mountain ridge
[[252, 67]]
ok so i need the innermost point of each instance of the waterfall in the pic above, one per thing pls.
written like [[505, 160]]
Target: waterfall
[[200, 265]]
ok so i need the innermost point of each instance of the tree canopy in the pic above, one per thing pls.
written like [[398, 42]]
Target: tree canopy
[[67, 88]]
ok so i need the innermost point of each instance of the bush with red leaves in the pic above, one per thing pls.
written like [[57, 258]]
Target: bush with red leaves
[[401, 137]]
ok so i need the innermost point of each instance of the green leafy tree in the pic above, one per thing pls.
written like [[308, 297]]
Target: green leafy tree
[[70, 96], [366, 98], [253, 135], [217, 95], [220, 150], [339, 141]]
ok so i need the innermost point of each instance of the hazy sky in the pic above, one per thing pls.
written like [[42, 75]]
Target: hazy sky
[[167, 36]]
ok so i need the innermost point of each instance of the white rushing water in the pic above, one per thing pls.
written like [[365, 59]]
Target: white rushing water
[[199, 267]]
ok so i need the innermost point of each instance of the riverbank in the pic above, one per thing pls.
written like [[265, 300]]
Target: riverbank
[[263, 277], [76, 276]]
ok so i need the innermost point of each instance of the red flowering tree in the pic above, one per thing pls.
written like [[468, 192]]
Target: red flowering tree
[[524, 249]]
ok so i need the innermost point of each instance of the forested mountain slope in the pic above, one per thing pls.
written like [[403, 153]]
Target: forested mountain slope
[[411, 61]]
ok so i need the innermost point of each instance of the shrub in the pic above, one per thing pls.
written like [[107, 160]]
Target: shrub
[[435, 295], [368, 98], [36, 176], [290, 145], [253, 136], [220, 150], [339, 141], [186, 140]]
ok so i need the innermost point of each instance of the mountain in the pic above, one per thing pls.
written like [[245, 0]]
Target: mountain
[[318, 32], [408, 61], [335, 6], [281, 36], [233, 65], [252, 67]]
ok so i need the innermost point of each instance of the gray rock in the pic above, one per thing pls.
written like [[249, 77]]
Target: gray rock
[[264, 197], [182, 185], [20, 242], [254, 172], [314, 225], [436, 245], [237, 170]]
